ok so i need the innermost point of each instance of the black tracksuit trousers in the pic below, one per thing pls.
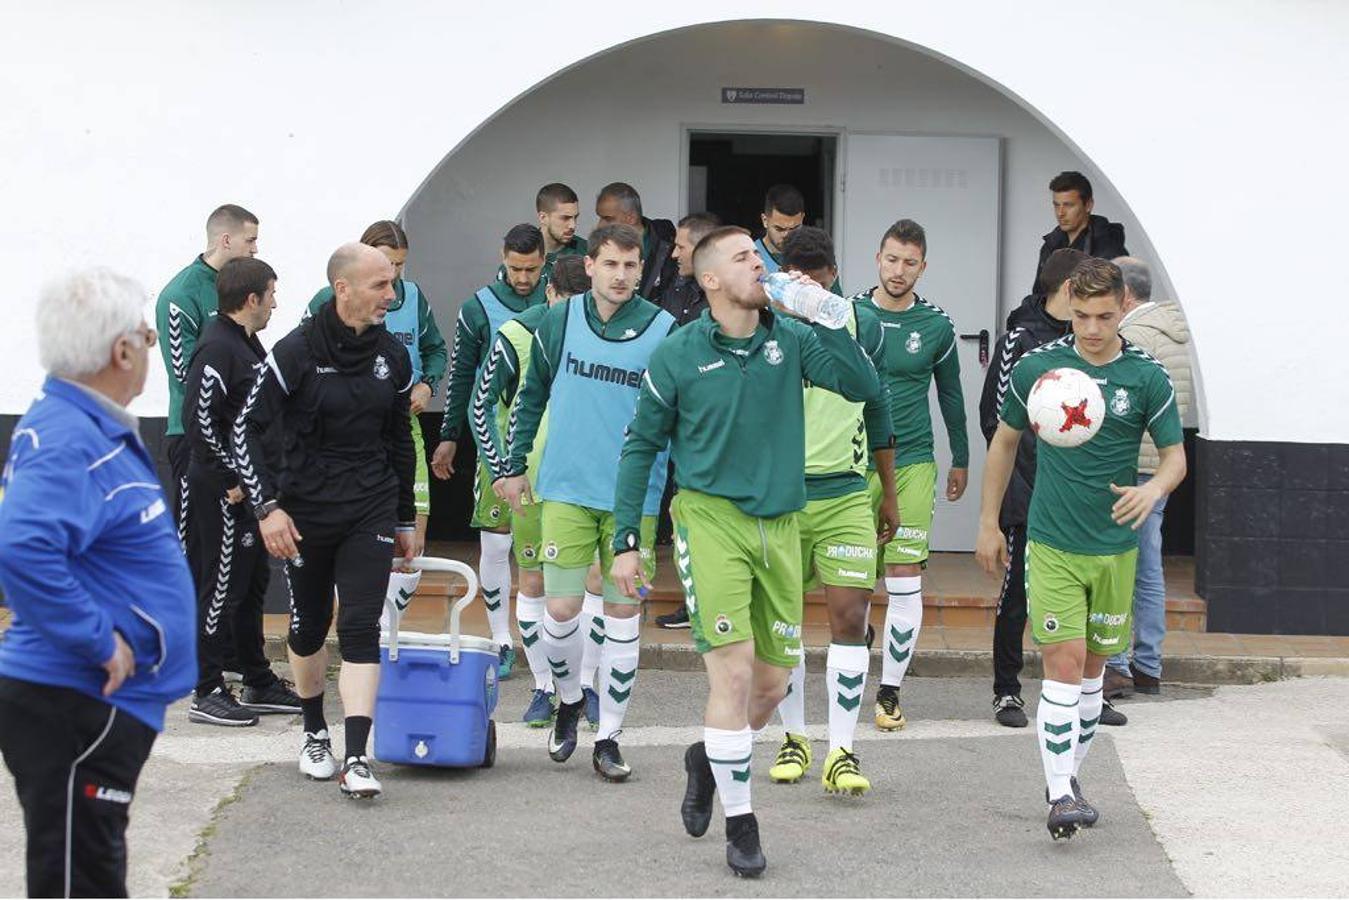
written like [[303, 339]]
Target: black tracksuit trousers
[[1010, 628]]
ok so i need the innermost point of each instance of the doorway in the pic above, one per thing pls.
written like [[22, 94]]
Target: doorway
[[730, 171]]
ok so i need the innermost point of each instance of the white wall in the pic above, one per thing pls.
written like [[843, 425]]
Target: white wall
[[124, 124], [619, 118]]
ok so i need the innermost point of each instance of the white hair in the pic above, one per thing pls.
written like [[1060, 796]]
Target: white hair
[[80, 315]]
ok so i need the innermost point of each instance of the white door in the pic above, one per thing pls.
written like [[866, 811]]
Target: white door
[[950, 186]]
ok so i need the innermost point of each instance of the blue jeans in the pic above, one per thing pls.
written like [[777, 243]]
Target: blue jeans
[[1149, 625]]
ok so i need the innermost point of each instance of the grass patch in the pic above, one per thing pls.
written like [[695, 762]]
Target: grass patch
[[196, 861]]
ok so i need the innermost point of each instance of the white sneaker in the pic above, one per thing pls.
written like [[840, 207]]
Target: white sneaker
[[316, 756], [357, 780]]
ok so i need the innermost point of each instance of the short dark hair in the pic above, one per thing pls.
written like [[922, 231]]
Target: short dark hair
[[523, 239], [710, 240], [569, 276], [907, 231], [385, 233], [550, 196], [239, 278], [1096, 278], [1058, 266], [1071, 181], [624, 237], [699, 224], [228, 217], [807, 249], [623, 193], [785, 199]]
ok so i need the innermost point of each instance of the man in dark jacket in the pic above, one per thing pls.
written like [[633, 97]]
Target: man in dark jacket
[[620, 204], [685, 300], [1078, 228], [228, 561], [102, 638]]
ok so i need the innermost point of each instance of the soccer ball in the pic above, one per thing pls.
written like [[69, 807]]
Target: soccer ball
[[1065, 407]]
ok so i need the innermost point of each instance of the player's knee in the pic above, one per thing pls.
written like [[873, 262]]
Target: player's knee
[[306, 639], [358, 632]]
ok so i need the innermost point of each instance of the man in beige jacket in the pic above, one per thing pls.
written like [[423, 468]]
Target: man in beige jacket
[[1160, 329]]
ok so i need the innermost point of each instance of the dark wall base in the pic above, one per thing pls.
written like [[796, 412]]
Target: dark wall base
[[1272, 537]]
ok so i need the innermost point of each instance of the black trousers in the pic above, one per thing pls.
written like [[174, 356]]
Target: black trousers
[[1010, 628], [178, 453], [347, 550], [229, 568], [75, 761]]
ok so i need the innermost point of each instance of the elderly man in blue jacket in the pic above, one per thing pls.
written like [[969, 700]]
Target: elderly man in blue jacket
[[104, 634]]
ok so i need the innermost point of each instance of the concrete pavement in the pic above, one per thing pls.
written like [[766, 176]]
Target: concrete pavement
[[1234, 791]]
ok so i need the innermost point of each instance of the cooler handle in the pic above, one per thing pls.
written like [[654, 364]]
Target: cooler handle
[[436, 564]]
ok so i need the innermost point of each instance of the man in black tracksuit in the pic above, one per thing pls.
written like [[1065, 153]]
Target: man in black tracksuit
[[341, 503], [229, 565], [620, 204], [1029, 326]]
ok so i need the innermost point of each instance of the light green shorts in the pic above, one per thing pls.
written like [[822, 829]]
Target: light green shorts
[[741, 577], [1070, 596], [489, 510], [916, 487], [838, 542], [527, 536], [421, 483], [573, 535]]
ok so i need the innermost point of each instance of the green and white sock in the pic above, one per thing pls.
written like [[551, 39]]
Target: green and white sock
[[562, 645], [729, 753], [529, 619], [846, 677], [494, 576], [618, 669], [903, 621], [592, 626], [1088, 717], [1056, 729], [792, 709]]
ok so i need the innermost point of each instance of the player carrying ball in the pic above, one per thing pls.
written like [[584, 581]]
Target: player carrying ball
[[1082, 541], [725, 391]]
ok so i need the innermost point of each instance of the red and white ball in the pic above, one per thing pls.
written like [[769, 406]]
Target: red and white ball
[[1065, 407]]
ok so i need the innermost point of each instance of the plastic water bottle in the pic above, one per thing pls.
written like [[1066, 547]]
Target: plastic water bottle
[[806, 299]]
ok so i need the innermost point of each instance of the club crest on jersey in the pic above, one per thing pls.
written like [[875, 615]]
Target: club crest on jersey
[[914, 343], [772, 353], [1051, 624], [494, 513], [550, 550], [381, 368], [1119, 404], [247, 540], [723, 625], [529, 551]]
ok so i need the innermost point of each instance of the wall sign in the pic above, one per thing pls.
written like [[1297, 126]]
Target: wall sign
[[763, 95]]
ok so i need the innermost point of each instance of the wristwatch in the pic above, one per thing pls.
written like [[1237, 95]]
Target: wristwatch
[[264, 509]]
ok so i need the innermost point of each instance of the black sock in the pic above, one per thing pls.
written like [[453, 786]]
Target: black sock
[[312, 707], [358, 732]]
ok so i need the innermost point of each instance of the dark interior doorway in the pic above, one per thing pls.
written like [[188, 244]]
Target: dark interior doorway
[[729, 173]]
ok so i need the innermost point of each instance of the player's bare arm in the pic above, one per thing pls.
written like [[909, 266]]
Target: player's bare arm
[[1136, 502]]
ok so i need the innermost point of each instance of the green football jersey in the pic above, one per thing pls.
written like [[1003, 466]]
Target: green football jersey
[[920, 348], [1070, 507]]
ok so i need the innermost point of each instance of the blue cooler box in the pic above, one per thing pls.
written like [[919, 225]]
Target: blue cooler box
[[437, 693]]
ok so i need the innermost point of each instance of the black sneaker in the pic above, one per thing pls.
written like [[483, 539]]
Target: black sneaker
[[1112, 716], [1090, 815], [696, 810], [276, 698], [220, 708], [677, 619], [1010, 710], [562, 739], [743, 853], [1064, 817], [608, 761]]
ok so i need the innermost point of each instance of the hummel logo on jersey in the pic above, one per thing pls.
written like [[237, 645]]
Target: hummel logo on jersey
[[600, 372], [710, 366], [383, 539], [325, 370], [153, 511]]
